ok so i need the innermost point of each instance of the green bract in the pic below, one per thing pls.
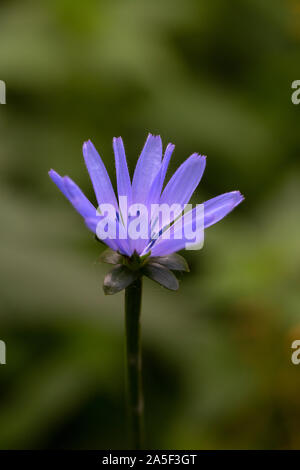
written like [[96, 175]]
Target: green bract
[[128, 269]]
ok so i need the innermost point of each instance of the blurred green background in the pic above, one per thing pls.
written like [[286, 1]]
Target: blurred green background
[[211, 77]]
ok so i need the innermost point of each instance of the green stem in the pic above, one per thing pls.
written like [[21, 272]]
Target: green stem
[[133, 300]]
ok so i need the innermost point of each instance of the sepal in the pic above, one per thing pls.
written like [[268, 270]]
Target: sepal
[[118, 279], [161, 275], [110, 256], [174, 262]]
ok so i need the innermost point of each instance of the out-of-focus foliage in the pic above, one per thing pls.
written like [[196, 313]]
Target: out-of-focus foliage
[[212, 77]]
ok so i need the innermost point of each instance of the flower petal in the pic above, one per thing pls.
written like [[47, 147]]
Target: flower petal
[[178, 191], [146, 168], [74, 194], [218, 207], [91, 223], [101, 182], [156, 187], [122, 173], [178, 236], [214, 210], [124, 189], [184, 181], [166, 160]]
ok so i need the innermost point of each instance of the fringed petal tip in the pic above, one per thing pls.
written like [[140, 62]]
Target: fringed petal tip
[[54, 175], [58, 180], [87, 144], [217, 208], [153, 136], [238, 197]]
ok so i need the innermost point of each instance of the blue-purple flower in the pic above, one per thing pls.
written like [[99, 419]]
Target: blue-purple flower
[[145, 190]]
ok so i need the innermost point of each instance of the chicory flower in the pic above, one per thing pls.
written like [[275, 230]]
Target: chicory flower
[[153, 254]]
